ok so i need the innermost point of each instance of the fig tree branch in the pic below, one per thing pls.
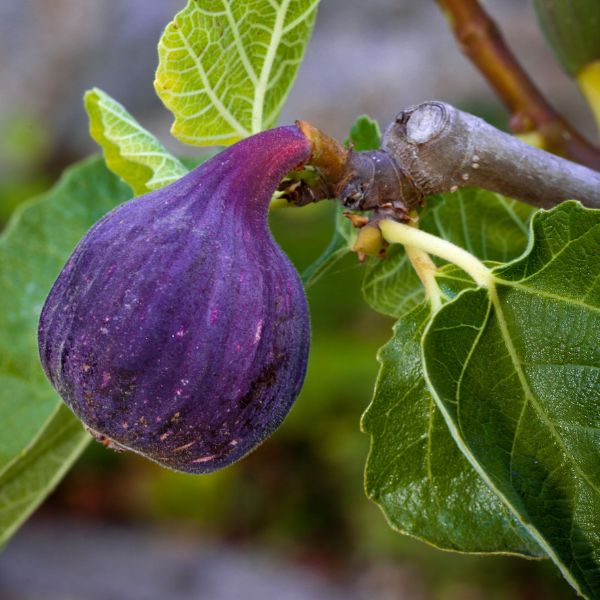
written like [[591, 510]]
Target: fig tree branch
[[433, 148], [481, 40], [440, 148]]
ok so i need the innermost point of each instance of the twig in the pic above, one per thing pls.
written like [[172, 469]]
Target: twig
[[481, 40], [434, 148], [440, 148]]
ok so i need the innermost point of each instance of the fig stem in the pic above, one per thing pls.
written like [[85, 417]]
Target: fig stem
[[328, 155]]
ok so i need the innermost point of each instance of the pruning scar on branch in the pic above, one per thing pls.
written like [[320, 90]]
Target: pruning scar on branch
[[441, 148]]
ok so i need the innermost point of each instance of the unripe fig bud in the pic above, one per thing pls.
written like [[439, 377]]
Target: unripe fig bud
[[178, 328], [369, 241]]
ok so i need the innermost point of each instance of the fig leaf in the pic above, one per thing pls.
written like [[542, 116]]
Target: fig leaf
[[488, 225], [415, 471], [514, 370], [130, 151], [39, 437], [225, 68]]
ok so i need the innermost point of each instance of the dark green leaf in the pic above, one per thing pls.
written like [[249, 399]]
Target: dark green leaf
[[416, 472], [515, 370], [39, 438]]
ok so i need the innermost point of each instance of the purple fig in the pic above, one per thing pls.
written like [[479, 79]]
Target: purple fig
[[178, 328]]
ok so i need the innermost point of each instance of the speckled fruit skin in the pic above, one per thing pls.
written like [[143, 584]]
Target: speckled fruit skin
[[178, 328]]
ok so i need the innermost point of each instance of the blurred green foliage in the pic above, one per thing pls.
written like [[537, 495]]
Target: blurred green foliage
[[24, 146]]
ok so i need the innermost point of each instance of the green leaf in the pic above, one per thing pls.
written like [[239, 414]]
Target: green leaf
[[515, 372], [364, 135], [486, 224], [34, 474], [490, 226], [39, 438], [130, 151], [416, 472], [225, 68], [390, 285]]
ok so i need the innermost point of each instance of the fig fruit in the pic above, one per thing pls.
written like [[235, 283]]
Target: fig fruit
[[178, 328]]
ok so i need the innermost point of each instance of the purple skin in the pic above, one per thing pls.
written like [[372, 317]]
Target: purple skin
[[178, 328]]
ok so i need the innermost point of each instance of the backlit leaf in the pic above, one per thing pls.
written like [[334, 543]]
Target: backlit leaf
[[130, 151], [225, 68]]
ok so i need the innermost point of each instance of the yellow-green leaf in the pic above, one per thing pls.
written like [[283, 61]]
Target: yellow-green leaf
[[225, 68], [130, 151]]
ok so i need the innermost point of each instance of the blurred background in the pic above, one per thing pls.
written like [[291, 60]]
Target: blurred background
[[291, 521]]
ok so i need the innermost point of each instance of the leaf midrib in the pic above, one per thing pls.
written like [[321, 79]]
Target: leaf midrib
[[41, 491], [32, 442], [221, 108], [265, 72], [529, 396], [458, 436]]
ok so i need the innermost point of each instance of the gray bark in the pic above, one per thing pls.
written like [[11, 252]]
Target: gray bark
[[440, 148]]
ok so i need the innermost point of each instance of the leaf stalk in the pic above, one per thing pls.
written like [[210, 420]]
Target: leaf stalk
[[410, 237]]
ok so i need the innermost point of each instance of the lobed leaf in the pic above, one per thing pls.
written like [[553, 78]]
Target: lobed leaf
[[130, 151], [515, 371], [39, 437], [225, 68]]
